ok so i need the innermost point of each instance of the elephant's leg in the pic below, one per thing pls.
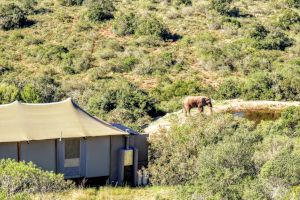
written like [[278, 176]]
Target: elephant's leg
[[189, 111], [184, 110], [201, 109]]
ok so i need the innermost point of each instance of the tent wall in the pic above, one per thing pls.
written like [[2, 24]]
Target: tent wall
[[141, 143], [116, 143], [42, 153], [9, 150], [97, 156]]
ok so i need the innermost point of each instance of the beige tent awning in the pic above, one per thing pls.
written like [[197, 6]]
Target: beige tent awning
[[65, 119]]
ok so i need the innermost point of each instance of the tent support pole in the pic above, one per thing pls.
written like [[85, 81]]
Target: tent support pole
[[19, 147]]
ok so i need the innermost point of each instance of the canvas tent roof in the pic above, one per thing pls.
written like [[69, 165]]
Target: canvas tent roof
[[65, 119]]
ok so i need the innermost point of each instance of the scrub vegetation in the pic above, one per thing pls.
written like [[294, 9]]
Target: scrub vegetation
[[19, 179], [137, 59], [131, 61], [223, 157]]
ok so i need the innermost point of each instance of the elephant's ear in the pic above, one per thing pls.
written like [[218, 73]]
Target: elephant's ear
[[203, 101]]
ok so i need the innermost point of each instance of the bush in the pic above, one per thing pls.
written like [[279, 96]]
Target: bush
[[117, 96], [229, 89], [41, 90], [125, 64], [125, 24], [8, 93], [181, 156], [71, 2], [288, 18], [258, 86], [150, 25], [101, 10], [293, 3], [276, 41], [12, 16], [221, 6], [258, 32], [30, 94], [223, 157], [285, 167], [16, 177]]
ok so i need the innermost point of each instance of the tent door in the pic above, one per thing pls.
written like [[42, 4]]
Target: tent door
[[72, 158]]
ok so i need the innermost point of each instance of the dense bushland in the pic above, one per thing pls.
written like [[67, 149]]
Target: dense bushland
[[20, 178], [223, 157], [163, 49]]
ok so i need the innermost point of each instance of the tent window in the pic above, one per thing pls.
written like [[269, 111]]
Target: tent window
[[72, 152]]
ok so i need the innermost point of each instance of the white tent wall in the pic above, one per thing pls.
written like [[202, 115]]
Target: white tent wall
[[97, 156], [9, 150], [42, 153]]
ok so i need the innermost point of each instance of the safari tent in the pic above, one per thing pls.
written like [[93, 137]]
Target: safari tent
[[63, 138]]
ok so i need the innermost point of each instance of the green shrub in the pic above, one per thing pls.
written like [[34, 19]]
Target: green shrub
[[12, 16], [181, 155], [293, 3], [8, 93], [150, 25], [71, 2], [223, 157], [294, 193], [100, 10], [41, 90], [276, 41], [288, 18], [258, 31], [258, 86], [125, 24], [221, 6], [31, 94], [281, 84], [126, 64], [288, 124], [285, 167], [229, 89], [16, 177], [122, 97]]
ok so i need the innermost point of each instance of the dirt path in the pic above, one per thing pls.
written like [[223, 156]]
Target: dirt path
[[235, 105]]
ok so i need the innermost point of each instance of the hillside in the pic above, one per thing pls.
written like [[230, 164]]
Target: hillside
[[227, 106], [131, 61]]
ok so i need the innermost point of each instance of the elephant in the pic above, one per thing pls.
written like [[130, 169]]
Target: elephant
[[190, 102]]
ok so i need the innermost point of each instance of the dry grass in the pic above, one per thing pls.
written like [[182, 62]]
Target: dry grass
[[111, 193]]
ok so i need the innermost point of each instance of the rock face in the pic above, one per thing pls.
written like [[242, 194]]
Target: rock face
[[235, 105]]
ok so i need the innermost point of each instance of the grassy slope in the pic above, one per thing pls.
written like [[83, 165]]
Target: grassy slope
[[31, 51], [65, 26]]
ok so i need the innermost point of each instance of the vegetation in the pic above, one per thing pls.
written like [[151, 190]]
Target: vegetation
[[100, 10], [12, 16], [108, 192], [20, 179], [160, 51], [222, 157]]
